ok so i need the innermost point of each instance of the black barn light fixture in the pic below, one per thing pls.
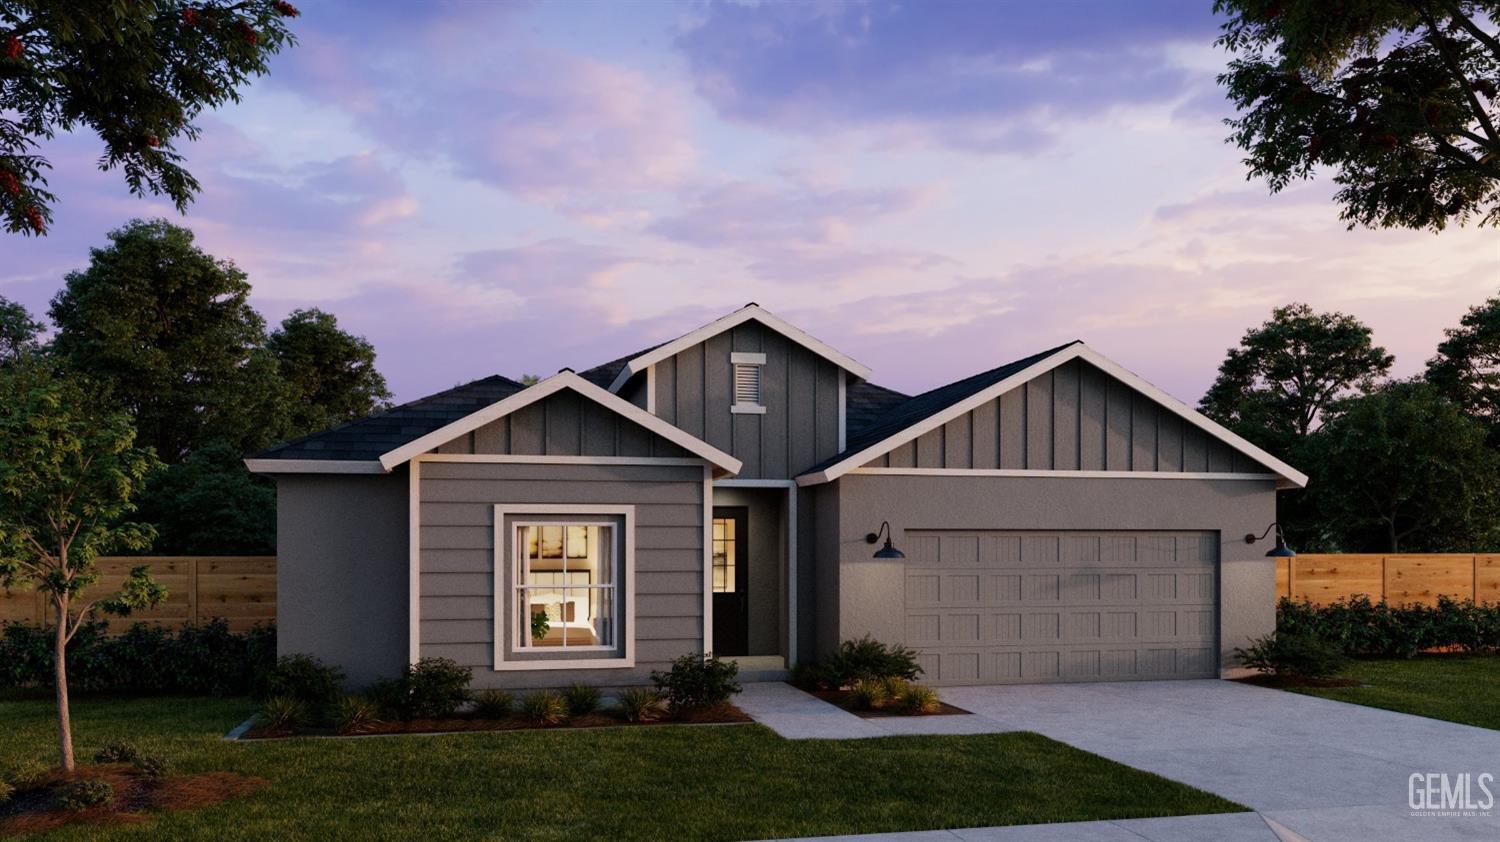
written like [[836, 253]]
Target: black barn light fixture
[[1281, 550], [886, 551]]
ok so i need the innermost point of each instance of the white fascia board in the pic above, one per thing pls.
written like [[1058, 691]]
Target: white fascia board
[[314, 466], [1289, 476], [556, 383], [738, 317]]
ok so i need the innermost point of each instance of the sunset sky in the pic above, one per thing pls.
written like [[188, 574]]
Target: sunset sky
[[933, 188]]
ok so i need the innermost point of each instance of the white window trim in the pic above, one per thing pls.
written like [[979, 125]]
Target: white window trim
[[504, 537], [747, 409]]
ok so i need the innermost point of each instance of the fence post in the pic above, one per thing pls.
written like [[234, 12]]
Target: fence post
[[192, 588]]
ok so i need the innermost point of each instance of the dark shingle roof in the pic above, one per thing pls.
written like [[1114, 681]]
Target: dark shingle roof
[[916, 409], [604, 375], [368, 438], [866, 403]]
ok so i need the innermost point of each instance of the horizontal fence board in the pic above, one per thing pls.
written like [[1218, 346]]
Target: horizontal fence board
[[1398, 579], [238, 589]]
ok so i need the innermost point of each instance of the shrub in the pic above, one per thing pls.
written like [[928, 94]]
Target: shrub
[[435, 687], [868, 658], [895, 687], [86, 793], [809, 676], [696, 683], [544, 707], [26, 774], [582, 699], [1378, 629], [304, 678], [6, 791], [117, 752], [1299, 653], [493, 704], [868, 695], [283, 713], [919, 699], [389, 697], [353, 714], [639, 704], [152, 766], [207, 659]]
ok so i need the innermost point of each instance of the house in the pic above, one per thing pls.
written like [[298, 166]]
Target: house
[[1054, 519]]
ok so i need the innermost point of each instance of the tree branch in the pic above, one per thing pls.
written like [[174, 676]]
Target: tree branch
[[1436, 36], [1456, 15]]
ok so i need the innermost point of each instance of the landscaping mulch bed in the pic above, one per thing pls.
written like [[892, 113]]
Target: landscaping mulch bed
[[1281, 682], [844, 699], [136, 796], [724, 714]]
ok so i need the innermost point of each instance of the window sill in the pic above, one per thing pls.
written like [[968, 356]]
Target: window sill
[[747, 409], [565, 664]]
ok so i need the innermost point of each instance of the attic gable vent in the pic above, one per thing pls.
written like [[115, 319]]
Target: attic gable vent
[[747, 372]]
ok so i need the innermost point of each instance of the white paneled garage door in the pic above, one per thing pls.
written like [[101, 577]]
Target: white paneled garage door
[[995, 607]]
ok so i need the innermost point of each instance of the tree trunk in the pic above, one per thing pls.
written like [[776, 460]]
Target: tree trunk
[[60, 672], [1392, 524]]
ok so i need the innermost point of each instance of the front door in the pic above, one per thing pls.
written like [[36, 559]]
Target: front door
[[731, 581]]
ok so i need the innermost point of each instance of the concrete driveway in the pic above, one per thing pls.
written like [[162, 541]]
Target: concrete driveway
[[1314, 769], [1325, 770]]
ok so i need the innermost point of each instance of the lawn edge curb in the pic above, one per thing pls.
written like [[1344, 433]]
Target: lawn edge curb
[[240, 729]]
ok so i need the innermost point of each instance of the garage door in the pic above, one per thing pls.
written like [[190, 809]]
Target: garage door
[[995, 607]]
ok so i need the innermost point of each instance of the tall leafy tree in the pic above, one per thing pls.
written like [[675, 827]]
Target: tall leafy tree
[[1275, 386], [138, 73], [1402, 468], [1467, 365], [209, 504], [169, 331], [1397, 97], [18, 332], [330, 374], [69, 470]]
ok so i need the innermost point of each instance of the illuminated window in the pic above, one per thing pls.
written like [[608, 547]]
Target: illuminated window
[[565, 585], [724, 539]]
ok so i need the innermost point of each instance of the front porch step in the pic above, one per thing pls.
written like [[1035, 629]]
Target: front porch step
[[761, 667]]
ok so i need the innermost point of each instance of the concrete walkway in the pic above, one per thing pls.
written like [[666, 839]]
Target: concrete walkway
[[1322, 770]]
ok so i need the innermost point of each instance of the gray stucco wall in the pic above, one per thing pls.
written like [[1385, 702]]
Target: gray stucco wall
[[860, 595], [1074, 417], [800, 390], [457, 560], [563, 424], [341, 571]]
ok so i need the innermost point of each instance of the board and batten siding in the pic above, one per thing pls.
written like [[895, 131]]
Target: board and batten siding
[[1072, 418], [799, 389], [457, 557], [563, 424]]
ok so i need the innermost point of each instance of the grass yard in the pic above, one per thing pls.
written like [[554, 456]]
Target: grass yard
[[706, 782], [1458, 688]]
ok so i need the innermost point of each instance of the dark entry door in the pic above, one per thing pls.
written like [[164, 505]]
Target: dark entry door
[[731, 580]]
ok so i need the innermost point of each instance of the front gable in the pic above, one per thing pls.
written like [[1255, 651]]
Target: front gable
[[1069, 409], [563, 417]]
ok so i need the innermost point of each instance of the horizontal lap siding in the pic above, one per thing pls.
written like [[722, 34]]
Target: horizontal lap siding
[[457, 559], [1074, 417]]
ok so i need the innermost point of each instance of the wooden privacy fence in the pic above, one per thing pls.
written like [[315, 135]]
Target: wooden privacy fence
[[240, 589], [1398, 579]]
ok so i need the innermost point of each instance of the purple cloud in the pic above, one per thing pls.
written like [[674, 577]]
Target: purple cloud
[[982, 76]]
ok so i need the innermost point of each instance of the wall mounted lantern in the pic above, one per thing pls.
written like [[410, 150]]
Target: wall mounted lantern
[[886, 551], [1281, 550]]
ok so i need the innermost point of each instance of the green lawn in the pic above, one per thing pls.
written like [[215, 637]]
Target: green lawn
[[707, 782], [1458, 688]]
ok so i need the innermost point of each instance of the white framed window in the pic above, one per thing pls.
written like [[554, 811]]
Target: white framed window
[[564, 582], [566, 588], [746, 369]]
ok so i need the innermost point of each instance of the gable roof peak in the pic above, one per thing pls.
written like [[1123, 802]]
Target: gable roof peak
[[644, 360]]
